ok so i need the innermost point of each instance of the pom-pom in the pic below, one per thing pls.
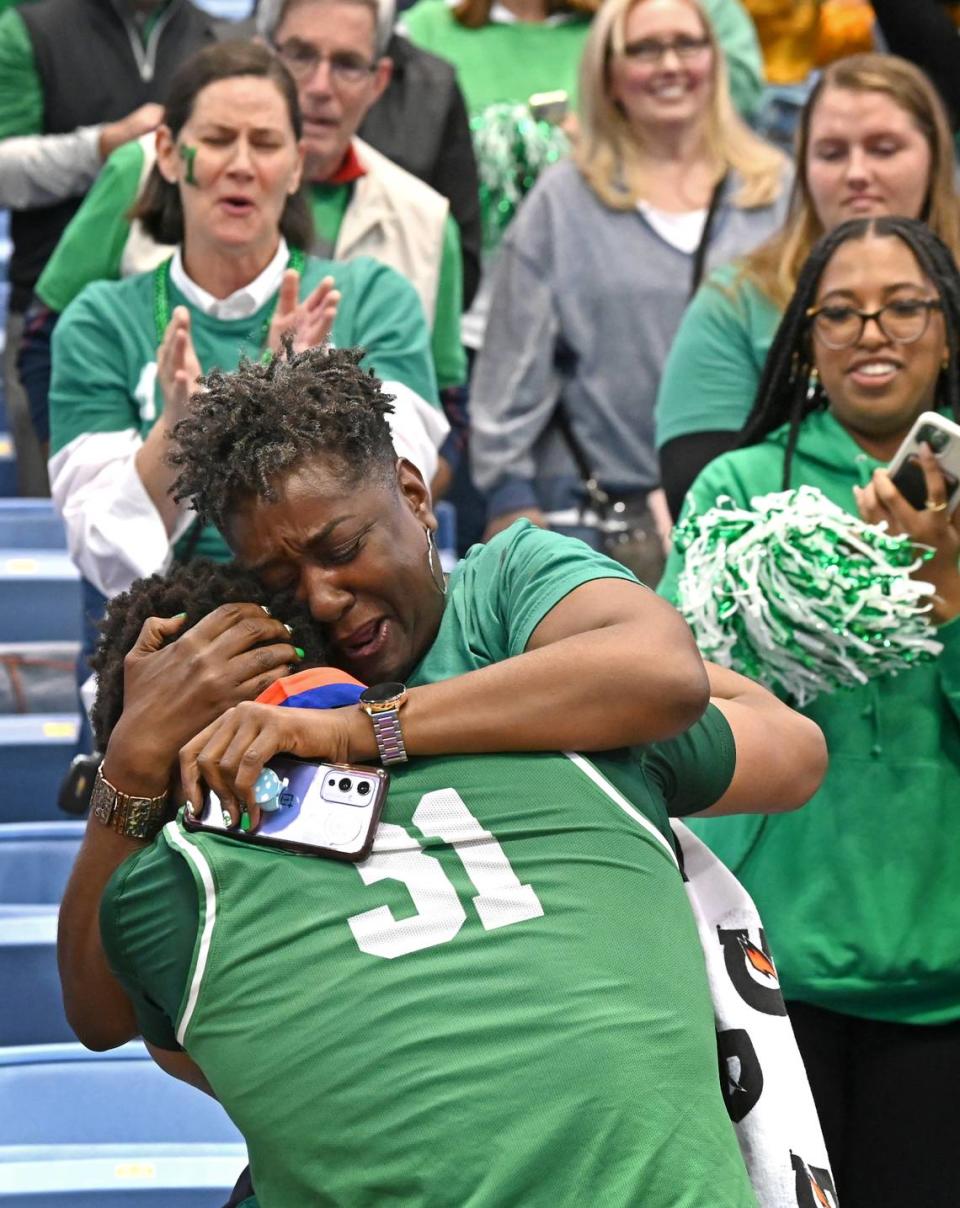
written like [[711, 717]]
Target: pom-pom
[[802, 596], [512, 149]]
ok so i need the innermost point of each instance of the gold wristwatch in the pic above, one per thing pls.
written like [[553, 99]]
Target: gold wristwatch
[[381, 703], [135, 817]]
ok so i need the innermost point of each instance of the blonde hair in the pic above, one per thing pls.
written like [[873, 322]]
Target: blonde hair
[[475, 14], [775, 265], [608, 150]]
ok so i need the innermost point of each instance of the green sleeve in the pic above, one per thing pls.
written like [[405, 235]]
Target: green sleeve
[[449, 358], [695, 768], [530, 570], [387, 320], [91, 247], [87, 348], [21, 96], [711, 373], [148, 927], [737, 36]]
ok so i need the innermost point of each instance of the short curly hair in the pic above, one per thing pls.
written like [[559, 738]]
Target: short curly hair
[[196, 588], [246, 428]]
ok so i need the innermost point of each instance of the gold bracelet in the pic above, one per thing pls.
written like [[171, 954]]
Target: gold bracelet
[[135, 817]]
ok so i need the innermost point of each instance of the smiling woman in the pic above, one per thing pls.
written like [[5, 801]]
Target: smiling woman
[[869, 341], [225, 190], [664, 176]]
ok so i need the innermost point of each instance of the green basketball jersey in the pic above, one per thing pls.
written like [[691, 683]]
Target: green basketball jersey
[[506, 1004]]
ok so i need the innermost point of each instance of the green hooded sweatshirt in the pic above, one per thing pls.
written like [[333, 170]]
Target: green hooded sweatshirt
[[860, 889]]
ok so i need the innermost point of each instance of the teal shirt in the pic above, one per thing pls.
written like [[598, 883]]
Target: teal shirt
[[712, 372], [857, 890]]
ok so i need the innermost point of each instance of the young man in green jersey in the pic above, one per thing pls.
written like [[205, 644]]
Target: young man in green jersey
[[511, 986]]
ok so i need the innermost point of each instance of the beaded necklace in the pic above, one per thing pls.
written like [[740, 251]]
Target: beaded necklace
[[162, 312]]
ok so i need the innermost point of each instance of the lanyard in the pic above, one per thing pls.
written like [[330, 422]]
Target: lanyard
[[162, 312]]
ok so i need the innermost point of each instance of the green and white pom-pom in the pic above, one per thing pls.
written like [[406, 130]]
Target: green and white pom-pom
[[512, 149], [801, 595]]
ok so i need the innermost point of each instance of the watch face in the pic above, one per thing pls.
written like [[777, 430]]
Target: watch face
[[377, 694]]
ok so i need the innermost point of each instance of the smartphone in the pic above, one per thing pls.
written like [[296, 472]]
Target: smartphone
[[943, 437], [549, 107], [326, 809]]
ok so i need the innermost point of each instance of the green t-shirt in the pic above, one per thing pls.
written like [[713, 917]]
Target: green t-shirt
[[92, 246], [509, 61], [714, 365], [506, 1001], [21, 97], [105, 346]]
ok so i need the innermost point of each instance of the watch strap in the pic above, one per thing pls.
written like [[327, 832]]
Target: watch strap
[[129, 815], [389, 735]]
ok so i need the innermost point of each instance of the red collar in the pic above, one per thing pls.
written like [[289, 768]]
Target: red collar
[[350, 169]]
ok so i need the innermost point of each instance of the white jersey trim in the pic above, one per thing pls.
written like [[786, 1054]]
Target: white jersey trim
[[618, 798], [204, 872]]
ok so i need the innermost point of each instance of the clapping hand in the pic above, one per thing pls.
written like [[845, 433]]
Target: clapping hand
[[309, 322], [177, 366]]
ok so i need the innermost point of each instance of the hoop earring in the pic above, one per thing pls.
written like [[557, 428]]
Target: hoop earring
[[434, 563]]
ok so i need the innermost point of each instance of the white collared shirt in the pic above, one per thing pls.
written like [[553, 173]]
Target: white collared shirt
[[241, 303]]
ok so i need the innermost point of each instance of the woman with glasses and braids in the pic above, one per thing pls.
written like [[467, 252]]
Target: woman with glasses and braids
[[873, 139], [859, 890]]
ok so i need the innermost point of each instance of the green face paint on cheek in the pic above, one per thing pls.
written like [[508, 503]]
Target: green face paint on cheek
[[189, 156]]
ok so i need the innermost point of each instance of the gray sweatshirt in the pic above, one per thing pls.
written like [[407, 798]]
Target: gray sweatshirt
[[586, 301]]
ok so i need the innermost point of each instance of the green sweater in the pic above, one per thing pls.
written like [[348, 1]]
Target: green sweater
[[716, 359], [92, 246], [509, 61], [105, 347], [858, 890]]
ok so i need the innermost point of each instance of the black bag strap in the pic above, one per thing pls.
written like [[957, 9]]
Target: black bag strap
[[703, 247]]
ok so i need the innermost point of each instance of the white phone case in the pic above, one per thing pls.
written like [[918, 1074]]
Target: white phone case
[[943, 436], [324, 809]]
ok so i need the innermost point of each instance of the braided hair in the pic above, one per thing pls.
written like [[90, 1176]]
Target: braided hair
[[788, 392], [246, 428]]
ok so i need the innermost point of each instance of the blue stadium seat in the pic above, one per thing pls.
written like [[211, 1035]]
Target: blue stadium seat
[[31, 524], [35, 753], [31, 1008], [40, 597], [35, 861], [109, 1130]]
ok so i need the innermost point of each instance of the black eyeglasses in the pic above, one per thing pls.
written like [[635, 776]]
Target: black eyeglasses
[[651, 50], [902, 321], [302, 60]]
